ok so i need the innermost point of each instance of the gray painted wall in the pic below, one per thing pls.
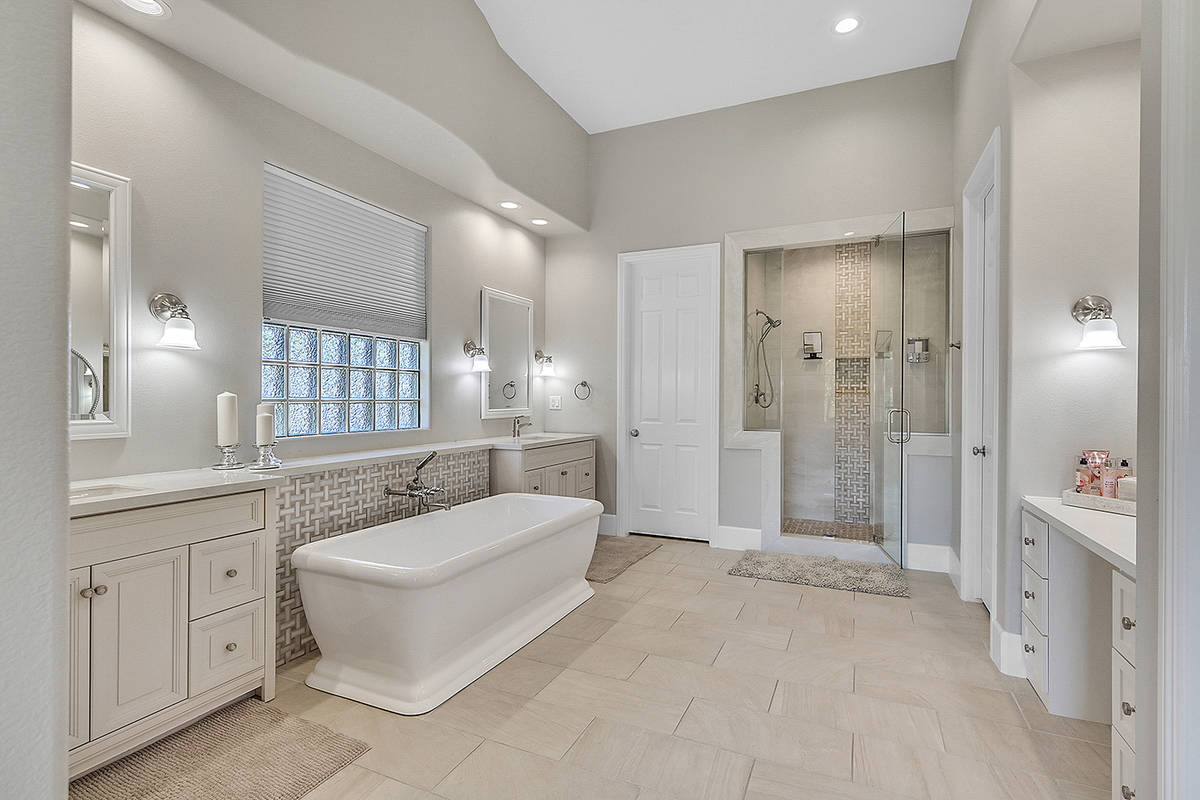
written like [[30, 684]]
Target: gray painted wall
[[193, 143], [35, 59], [870, 147]]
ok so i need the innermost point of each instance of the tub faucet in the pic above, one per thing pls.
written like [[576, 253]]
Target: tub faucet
[[518, 424], [417, 488]]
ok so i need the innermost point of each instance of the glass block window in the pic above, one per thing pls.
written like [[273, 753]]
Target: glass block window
[[324, 381]]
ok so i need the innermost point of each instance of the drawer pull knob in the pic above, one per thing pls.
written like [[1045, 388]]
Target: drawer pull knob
[[87, 593], [1028, 595], [537, 488], [1127, 709], [1029, 648], [1128, 624], [564, 472], [101, 589], [1029, 541], [587, 474], [231, 573], [231, 646], [1127, 793]]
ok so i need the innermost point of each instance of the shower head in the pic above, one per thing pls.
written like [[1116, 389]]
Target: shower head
[[774, 323]]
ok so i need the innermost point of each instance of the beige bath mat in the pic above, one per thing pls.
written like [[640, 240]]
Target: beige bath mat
[[828, 572], [248, 750], [615, 554]]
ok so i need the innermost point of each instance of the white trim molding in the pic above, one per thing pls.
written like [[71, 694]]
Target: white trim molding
[[1178, 701], [954, 570], [730, 537], [927, 557], [1006, 650], [608, 525]]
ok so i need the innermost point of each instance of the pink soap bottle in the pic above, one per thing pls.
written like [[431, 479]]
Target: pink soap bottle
[[1083, 476]]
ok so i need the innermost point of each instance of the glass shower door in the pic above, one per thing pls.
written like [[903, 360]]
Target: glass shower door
[[890, 426]]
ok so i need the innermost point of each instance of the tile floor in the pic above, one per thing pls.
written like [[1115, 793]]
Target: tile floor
[[678, 681]]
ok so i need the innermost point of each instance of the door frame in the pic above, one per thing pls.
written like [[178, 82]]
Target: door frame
[[979, 376], [712, 252]]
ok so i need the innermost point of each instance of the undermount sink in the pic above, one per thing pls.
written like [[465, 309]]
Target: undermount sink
[[534, 437], [103, 490]]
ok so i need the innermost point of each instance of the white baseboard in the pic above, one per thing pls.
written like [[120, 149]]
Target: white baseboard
[[1006, 651], [928, 557], [954, 569], [608, 524], [732, 538]]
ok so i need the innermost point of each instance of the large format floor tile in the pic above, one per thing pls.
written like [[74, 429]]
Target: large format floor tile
[[677, 681]]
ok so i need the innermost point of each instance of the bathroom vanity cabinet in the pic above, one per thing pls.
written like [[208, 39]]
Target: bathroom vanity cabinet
[[546, 466], [171, 616]]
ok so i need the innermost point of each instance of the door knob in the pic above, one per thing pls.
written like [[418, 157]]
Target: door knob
[[1029, 648], [1128, 624], [635, 433], [1028, 595], [979, 451], [1127, 793]]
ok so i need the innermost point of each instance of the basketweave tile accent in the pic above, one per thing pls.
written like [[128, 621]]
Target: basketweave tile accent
[[852, 441], [852, 299], [319, 505]]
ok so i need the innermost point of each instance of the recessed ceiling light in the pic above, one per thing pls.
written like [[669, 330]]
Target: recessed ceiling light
[[80, 185], [847, 25], [510, 205], [154, 8], [848, 233], [79, 224], [539, 221]]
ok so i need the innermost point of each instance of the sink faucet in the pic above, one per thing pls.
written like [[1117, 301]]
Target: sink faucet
[[518, 424], [417, 488]]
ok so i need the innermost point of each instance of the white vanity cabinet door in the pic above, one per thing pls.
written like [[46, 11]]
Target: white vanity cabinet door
[[79, 629], [1123, 758], [1124, 679], [139, 637], [535, 481], [585, 476], [1124, 611], [560, 480], [1035, 544]]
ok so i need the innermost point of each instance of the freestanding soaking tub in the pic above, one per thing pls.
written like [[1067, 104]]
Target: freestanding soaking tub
[[408, 613]]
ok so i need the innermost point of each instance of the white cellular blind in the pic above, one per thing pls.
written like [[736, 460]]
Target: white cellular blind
[[333, 260]]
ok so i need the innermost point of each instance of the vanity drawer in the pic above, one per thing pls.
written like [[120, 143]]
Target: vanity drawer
[[226, 645], [1034, 650], [587, 494], [1035, 543], [1124, 613], [1123, 758], [1035, 591], [226, 573], [585, 475], [1124, 709], [538, 457], [535, 481]]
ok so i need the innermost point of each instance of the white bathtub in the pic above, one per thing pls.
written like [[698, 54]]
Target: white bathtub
[[408, 613]]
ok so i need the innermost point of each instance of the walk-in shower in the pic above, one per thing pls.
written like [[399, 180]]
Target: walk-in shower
[[877, 308]]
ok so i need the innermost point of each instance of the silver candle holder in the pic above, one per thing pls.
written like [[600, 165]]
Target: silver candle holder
[[229, 457], [266, 457]]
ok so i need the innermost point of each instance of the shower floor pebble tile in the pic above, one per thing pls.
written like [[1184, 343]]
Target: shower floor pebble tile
[[678, 682]]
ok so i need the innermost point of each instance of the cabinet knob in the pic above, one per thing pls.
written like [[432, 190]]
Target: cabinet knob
[[1127, 709], [537, 488], [564, 472], [1028, 595], [1029, 648], [1127, 793], [87, 593], [101, 589], [231, 573], [231, 646], [1028, 541], [1128, 624], [587, 474]]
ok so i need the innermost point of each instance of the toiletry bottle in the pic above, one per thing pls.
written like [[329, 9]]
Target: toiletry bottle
[[1124, 470], [1083, 476], [1108, 482]]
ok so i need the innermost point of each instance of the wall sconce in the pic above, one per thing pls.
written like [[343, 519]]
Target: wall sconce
[[546, 364], [478, 356], [179, 332], [1099, 329]]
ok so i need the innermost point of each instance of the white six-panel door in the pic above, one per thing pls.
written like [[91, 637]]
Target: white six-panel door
[[670, 381]]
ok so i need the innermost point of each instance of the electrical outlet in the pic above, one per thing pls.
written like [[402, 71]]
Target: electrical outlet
[[556, 402]]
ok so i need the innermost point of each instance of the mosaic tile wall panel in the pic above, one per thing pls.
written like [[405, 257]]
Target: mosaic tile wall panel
[[323, 504], [852, 384]]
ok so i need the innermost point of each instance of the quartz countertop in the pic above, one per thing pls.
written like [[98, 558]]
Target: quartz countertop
[[1113, 537], [124, 492]]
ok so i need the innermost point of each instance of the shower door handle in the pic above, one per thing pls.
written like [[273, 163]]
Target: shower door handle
[[906, 428], [905, 433], [891, 436]]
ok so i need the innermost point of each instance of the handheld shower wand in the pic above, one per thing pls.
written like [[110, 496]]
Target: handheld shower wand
[[761, 364]]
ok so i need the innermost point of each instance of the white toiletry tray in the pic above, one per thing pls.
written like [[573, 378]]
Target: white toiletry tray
[[1110, 504]]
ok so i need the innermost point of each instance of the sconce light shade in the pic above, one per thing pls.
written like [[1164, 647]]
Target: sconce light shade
[[1099, 328], [545, 365], [179, 332], [478, 356]]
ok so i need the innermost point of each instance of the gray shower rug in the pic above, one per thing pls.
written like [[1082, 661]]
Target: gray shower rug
[[828, 572]]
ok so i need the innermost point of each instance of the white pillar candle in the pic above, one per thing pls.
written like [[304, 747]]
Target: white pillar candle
[[227, 419], [264, 408], [264, 429]]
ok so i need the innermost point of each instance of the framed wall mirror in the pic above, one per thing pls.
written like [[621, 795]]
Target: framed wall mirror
[[507, 336], [99, 222]]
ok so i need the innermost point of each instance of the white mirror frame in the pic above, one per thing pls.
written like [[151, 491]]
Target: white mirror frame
[[119, 274], [501, 413]]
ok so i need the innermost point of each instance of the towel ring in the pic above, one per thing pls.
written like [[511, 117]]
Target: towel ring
[[504, 390], [586, 388]]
